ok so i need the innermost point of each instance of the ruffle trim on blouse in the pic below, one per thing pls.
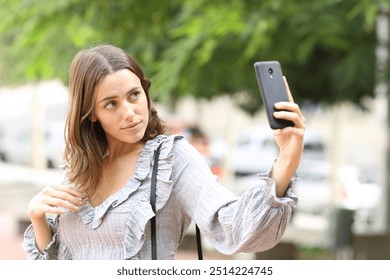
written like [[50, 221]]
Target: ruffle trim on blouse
[[135, 228], [93, 216], [29, 244], [140, 214]]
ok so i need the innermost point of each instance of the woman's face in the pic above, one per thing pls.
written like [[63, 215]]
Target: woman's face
[[121, 107]]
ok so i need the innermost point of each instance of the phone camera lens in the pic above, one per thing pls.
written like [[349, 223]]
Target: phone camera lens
[[270, 71]]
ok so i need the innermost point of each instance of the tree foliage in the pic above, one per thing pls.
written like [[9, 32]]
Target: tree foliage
[[199, 47]]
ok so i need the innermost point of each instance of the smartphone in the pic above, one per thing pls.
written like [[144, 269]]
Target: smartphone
[[273, 89]]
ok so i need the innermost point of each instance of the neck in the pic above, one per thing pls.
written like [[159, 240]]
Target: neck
[[116, 152]]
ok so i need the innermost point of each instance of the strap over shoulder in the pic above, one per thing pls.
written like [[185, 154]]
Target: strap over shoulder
[[153, 204]]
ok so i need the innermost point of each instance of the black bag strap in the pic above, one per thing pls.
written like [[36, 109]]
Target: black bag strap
[[199, 243], [153, 204]]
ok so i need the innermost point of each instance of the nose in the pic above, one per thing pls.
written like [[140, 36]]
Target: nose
[[128, 111]]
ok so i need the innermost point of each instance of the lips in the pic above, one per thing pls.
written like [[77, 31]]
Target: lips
[[132, 125]]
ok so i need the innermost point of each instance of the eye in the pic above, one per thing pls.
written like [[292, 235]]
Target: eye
[[110, 105], [134, 95]]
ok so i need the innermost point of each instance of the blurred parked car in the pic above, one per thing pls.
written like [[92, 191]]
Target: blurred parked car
[[362, 195], [314, 188], [322, 190], [16, 142], [2, 156], [17, 147], [256, 150], [55, 144]]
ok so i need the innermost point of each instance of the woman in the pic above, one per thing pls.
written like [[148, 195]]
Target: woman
[[102, 210]]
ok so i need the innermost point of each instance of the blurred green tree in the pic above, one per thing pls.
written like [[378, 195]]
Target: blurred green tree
[[203, 48]]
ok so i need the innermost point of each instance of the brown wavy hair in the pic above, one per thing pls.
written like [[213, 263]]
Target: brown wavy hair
[[85, 142]]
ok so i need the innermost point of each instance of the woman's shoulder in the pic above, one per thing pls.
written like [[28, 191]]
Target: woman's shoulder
[[179, 144], [175, 145], [167, 141]]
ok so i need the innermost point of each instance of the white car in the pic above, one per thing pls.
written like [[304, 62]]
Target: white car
[[321, 190], [256, 150], [314, 188], [16, 142], [55, 144], [17, 145]]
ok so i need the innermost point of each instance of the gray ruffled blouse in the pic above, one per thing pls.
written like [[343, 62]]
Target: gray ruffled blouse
[[187, 191]]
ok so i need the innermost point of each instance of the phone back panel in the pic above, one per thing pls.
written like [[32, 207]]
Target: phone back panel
[[272, 87]]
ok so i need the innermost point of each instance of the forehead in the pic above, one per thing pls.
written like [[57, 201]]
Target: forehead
[[118, 83]]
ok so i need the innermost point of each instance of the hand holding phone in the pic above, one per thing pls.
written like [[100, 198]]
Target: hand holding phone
[[272, 87]]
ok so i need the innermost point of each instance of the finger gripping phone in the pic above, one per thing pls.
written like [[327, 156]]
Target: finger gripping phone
[[273, 89]]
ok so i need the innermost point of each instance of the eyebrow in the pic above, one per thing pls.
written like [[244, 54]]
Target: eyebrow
[[107, 98]]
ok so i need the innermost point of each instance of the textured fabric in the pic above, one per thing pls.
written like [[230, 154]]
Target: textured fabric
[[119, 228]]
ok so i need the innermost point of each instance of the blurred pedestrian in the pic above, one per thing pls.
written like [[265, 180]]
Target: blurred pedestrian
[[103, 208]]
